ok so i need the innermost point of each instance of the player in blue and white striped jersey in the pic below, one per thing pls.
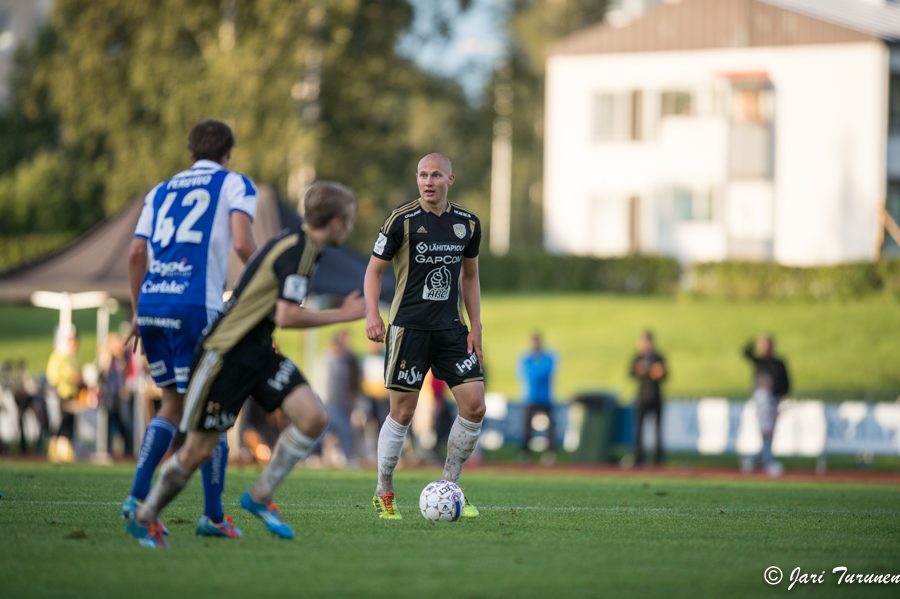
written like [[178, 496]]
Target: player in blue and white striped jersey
[[177, 267]]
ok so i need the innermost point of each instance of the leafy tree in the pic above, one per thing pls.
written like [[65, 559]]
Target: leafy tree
[[104, 104]]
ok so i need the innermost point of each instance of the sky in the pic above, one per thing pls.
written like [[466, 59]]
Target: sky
[[469, 53]]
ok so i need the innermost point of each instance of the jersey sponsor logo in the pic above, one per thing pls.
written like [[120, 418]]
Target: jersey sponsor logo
[[161, 323], [379, 245], [423, 248], [437, 285], [219, 421], [461, 213], [467, 364], [283, 376], [193, 181], [460, 230], [295, 288], [438, 259], [182, 374], [158, 368], [171, 269], [168, 287], [411, 376], [412, 214]]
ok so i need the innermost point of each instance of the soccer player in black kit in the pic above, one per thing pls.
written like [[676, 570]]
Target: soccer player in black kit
[[434, 246]]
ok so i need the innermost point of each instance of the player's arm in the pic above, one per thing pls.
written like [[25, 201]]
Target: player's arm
[[372, 291], [291, 315], [242, 234], [137, 269], [471, 292]]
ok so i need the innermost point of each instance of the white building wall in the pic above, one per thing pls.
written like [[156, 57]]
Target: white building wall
[[830, 149]]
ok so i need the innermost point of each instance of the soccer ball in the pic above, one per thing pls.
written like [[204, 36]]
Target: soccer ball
[[442, 501]]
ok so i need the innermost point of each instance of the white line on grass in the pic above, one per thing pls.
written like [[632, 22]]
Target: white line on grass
[[507, 507]]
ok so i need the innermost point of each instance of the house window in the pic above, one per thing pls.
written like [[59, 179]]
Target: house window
[[7, 38], [691, 205], [677, 103], [613, 116]]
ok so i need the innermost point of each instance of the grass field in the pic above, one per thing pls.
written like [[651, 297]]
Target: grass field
[[538, 536], [834, 349]]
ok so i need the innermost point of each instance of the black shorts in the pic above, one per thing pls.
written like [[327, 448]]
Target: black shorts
[[411, 352], [219, 385]]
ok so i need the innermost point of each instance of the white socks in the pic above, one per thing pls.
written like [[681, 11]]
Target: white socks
[[463, 437], [173, 478], [292, 447], [390, 446]]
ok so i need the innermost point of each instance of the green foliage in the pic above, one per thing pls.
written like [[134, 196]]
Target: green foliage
[[538, 271], [16, 250], [381, 114], [104, 104], [766, 280]]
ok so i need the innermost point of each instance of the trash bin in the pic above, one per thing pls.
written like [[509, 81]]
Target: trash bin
[[597, 427]]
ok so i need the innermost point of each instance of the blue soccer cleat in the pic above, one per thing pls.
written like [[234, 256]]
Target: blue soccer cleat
[[225, 528], [268, 513], [150, 535], [131, 504]]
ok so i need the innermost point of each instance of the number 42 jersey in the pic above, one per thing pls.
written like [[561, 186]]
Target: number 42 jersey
[[187, 223]]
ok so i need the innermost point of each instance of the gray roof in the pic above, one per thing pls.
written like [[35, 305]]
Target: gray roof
[[881, 20]]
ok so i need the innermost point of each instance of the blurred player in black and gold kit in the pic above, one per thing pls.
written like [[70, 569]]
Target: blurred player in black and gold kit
[[236, 358], [434, 246]]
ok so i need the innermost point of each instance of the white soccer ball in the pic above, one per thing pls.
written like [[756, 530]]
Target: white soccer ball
[[442, 501]]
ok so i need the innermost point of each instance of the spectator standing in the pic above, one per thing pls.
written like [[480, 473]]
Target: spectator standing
[[770, 385], [373, 383], [64, 376], [536, 370], [341, 389], [115, 393], [649, 368]]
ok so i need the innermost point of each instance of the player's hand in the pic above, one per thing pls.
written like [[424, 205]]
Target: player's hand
[[473, 344], [375, 328], [135, 334], [353, 307]]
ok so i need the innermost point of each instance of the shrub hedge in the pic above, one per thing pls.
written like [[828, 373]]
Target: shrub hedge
[[762, 280], [537, 271], [17, 250]]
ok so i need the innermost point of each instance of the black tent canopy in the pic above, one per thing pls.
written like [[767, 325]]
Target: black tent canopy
[[97, 261]]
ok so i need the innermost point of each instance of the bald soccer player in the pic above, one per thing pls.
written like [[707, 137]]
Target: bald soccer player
[[434, 246]]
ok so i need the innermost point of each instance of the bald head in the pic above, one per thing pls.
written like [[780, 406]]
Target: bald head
[[436, 161], [434, 177]]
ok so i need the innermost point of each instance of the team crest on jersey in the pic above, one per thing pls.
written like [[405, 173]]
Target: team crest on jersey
[[437, 285], [460, 230], [295, 288]]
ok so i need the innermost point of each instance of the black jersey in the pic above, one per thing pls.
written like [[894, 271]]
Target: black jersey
[[280, 270], [427, 250]]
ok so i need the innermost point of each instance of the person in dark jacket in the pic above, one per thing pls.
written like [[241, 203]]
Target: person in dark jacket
[[649, 368], [770, 384]]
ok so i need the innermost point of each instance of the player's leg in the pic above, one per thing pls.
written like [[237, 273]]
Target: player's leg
[[280, 385], [174, 475], [466, 430], [465, 377], [161, 347], [157, 439], [407, 358], [309, 418]]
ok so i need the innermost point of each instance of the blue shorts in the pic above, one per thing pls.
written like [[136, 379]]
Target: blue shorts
[[169, 335]]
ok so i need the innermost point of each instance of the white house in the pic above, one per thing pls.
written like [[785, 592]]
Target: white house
[[726, 129]]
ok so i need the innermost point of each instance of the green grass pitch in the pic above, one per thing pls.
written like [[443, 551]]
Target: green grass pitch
[[544, 535]]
